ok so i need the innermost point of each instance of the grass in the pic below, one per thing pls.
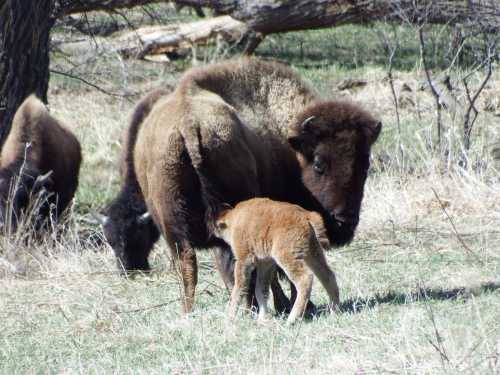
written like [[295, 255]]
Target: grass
[[419, 284]]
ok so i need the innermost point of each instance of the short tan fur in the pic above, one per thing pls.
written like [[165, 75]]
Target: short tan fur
[[263, 233]]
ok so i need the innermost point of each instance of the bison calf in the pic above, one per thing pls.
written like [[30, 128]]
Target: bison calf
[[261, 232], [40, 158]]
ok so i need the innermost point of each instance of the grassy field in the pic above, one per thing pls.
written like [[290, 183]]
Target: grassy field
[[419, 284]]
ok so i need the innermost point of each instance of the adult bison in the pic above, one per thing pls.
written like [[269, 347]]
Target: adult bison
[[126, 223], [39, 160], [241, 129]]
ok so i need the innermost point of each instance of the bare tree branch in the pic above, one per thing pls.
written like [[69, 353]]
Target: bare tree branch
[[98, 88], [468, 122], [433, 88], [462, 242], [390, 51]]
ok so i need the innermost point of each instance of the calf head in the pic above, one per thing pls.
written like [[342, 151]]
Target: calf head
[[332, 141], [18, 191], [130, 231]]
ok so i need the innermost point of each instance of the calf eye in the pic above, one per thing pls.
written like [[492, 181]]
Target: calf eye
[[319, 166]]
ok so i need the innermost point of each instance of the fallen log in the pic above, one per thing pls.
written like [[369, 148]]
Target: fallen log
[[175, 38]]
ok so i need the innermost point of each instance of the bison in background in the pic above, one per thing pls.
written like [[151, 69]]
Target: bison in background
[[40, 159], [127, 225], [242, 129]]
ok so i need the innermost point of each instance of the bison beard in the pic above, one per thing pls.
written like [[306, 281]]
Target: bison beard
[[237, 130]]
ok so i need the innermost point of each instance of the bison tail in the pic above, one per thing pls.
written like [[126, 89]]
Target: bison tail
[[211, 198], [316, 222]]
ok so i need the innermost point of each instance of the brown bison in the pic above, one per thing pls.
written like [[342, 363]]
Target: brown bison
[[247, 128], [263, 233], [40, 159], [126, 223]]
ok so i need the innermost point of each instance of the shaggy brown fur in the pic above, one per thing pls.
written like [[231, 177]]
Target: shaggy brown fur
[[45, 156], [263, 232], [236, 130], [127, 226]]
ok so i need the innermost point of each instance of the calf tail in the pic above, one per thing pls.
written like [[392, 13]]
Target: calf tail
[[316, 222]]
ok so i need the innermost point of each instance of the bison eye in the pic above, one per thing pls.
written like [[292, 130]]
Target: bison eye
[[319, 166]]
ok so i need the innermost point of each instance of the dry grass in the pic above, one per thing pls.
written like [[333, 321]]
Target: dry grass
[[419, 285]]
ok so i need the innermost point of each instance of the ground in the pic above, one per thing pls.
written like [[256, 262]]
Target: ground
[[419, 284]]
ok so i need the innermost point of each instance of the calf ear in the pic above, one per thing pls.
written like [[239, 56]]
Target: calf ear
[[225, 206], [221, 225]]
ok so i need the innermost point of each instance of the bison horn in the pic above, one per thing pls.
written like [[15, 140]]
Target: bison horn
[[101, 219], [305, 126], [42, 180], [144, 218]]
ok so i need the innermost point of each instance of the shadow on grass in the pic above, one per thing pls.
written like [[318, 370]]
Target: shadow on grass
[[357, 305]]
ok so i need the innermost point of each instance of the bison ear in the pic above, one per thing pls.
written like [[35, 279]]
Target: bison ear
[[295, 142], [302, 143], [372, 131], [306, 137]]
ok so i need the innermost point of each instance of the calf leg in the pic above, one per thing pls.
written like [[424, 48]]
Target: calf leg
[[224, 262], [303, 282], [302, 278], [318, 264], [242, 272], [311, 309]]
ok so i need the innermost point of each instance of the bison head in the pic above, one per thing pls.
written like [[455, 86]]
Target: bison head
[[130, 231], [17, 192], [332, 141]]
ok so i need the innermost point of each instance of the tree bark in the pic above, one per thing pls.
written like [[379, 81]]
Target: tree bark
[[24, 55], [275, 16]]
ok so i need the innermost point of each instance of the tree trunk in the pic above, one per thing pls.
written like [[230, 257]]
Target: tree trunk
[[24, 55]]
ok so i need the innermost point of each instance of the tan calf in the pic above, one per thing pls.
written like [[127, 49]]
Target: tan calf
[[261, 232]]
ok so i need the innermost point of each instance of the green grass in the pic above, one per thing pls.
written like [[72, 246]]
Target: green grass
[[419, 284]]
